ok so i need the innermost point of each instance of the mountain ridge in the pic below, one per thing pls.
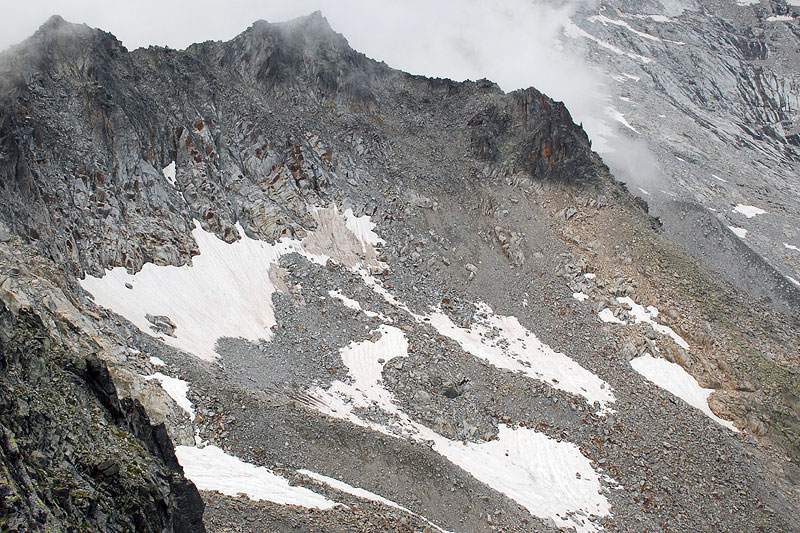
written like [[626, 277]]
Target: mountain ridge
[[388, 282]]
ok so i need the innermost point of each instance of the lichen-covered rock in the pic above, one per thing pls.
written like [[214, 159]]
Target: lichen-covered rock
[[73, 455]]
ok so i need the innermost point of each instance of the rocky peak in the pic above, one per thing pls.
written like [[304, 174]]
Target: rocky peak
[[57, 41], [435, 279]]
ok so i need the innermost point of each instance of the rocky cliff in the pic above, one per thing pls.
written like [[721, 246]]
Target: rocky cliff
[[336, 296]]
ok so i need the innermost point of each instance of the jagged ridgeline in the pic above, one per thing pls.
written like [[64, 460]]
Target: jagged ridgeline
[[278, 284], [280, 117]]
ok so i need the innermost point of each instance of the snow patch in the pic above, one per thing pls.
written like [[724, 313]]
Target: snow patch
[[364, 494], [607, 315], [155, 361], [640, 314], [580, 296], [605, 21], [780, 18], [210, 468], [791, 247], [748, 210], [363, 228], [549, 478], [352, 304], [169, 172], [177, 389], [237, 274], [673, 378], [790, 278], [619, 117], [718, 178], [517, 349], [739, 232], [654, 18], [574, 31]]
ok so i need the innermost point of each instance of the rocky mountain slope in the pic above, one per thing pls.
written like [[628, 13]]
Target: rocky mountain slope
[[706, 102], [356, 299]]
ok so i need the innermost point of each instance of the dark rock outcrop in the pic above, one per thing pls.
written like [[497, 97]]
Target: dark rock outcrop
[[72, 455]]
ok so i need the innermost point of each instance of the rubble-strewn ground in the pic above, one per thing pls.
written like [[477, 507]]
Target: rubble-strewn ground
[[486, 206]]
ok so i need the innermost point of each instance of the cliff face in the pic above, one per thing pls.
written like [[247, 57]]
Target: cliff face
[[340, 297], [75, 456], [710, 95]]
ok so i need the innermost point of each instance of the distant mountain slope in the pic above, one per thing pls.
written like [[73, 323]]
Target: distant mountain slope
[[706, 99]]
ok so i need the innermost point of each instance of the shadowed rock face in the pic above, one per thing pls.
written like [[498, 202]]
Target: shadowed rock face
[[258, 126], [73, 454]]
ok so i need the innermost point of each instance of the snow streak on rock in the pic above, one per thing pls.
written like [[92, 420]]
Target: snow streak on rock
[[648, 315], [354, 305], [177, 389], [549, 478], [170, 173], [365, 494], [748, 210], [210, 468], [739, 232], [673, 378], [515, 348]]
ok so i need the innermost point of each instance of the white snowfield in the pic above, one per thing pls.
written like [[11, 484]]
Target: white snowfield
[[619, 117], [673, 378], [669, 376], [236, 276], [549, 478], [354, 305], [177, 389], [605, 21], [365, 494], [739, 232], [748, 210], [169, 172], [640, 314], [210, 468], [574, 31], [607, 315], [517, 349]]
